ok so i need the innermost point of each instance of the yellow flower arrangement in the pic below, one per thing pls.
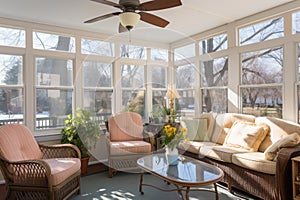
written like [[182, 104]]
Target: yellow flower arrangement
[[172, 136]]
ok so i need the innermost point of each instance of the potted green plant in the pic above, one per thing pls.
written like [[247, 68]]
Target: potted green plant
[[83, 131]]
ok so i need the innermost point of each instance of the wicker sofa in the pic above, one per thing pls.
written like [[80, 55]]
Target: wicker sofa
[[253, 152]]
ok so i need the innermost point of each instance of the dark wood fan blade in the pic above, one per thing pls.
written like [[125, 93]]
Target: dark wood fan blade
[[159, 5], [102, 17], [109, 3], [153, 19], [122, 28]]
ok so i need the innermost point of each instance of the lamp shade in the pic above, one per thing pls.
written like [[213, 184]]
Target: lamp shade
[[129, 19], [171, 92]]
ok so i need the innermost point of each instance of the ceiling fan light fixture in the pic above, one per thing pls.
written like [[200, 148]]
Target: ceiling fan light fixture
[[129, 19]]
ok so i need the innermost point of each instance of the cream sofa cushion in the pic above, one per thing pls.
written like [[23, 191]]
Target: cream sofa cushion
[[219, 152], [287, 141], [194, 146], [224, 122], [246, 135], [211, 119], [279, 128], [254, 161]]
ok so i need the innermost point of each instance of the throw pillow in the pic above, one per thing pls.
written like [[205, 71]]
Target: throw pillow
[[287, 141], [196, 128], [246, 135]]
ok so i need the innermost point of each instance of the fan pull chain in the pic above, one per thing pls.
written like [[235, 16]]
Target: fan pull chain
[[129, 37]]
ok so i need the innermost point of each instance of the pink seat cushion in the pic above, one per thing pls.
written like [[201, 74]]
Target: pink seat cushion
[[129, 147], [62, 168], [126, 126], [17, 143]]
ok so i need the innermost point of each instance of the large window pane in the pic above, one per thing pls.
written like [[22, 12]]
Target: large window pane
[[159, 77], [296, 22], [132, 76], [213, 44], [52, 107], [99, 103], [185, 104], [215, 100], [97, 74], [12, 37], [159, 54], [53, 42], [262, 31], [54, 72], [158, 97], [215, 72], [134, 101], [11, 106], [185, 76], [11, 70], [262, 67], [184, 52], [262, 101], [97, 47], [134, 52]]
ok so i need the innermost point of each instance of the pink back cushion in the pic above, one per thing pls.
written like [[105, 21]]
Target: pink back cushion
[[126, 126], [17, 143]]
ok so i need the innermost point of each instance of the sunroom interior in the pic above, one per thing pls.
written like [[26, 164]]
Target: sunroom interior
[[243, 63]]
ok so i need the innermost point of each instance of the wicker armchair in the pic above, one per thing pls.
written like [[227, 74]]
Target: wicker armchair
[[33, 171], [126, 141]]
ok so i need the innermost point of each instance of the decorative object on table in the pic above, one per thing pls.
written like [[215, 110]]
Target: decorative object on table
[[83, 131], [171, 95], [171, 138]]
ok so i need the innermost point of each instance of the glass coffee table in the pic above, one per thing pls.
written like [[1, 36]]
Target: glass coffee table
[[188, 174]]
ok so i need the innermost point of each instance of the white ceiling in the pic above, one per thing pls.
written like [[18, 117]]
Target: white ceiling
[[192, 17]]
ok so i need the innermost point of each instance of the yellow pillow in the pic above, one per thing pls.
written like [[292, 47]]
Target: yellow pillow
[[246, 135], [287, 141]]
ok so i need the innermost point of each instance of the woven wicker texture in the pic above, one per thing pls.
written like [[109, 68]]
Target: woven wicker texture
[[30, 179], [127, 161]]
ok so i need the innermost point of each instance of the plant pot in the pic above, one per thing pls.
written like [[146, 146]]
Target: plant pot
[[84, 164]]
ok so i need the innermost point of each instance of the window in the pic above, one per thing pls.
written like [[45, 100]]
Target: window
[[133, 93], [134, 52], [266, 30], [214, 82], [296, 22], [213, 44], [185, 80], [11, 89], [97, 47], [214, 99], [98, 90], [184, 52], [12, 37], [159, 54], [262, 78], [45, 41], [159, 84], [54, 91]]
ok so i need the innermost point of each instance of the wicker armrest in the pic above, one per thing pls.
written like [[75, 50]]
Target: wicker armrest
[[60, 151], [149, 137], [284, 171], [28, 172]]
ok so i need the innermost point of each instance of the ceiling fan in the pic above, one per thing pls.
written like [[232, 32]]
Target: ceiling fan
[[133, 11]]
